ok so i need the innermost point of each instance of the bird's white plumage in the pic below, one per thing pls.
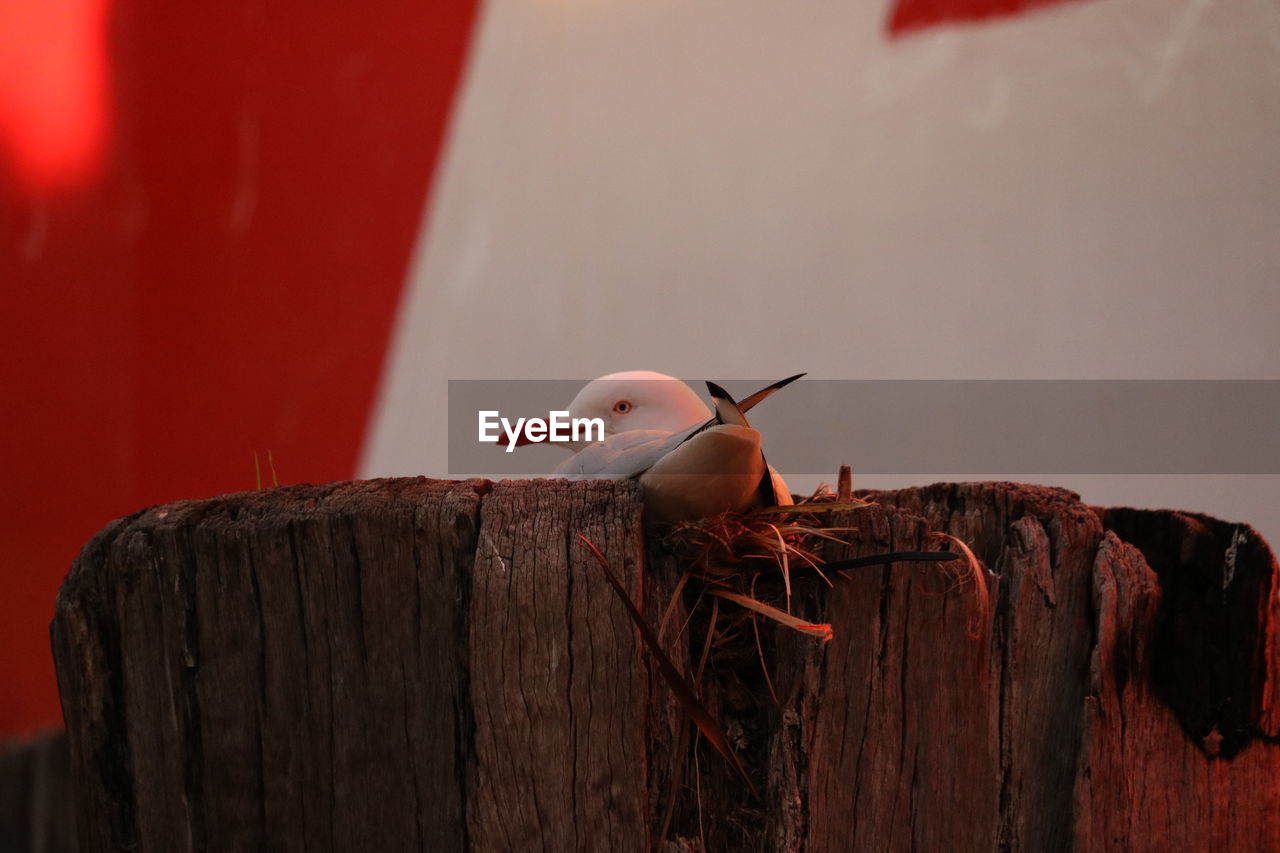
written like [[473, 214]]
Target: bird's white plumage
[[624, 454]]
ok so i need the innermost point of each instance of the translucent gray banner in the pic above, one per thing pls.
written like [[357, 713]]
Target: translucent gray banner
[[928, 426]]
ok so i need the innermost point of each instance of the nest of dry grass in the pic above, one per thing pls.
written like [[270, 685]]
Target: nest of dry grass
[[748, 558]]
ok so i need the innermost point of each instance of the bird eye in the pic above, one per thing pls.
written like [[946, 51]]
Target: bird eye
[[622, 406]]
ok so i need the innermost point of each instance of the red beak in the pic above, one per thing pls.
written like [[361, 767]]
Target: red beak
[[524, 439]]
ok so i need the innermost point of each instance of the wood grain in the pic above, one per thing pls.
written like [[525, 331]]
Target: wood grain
[[557, 683], [431, 665], [280, 669]]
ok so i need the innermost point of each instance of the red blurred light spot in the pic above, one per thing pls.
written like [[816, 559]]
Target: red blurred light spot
[[53, 105]]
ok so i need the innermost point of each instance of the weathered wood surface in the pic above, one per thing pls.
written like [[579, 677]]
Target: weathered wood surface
[[556, 681], [36, 812], [418, 664], [1085, 716], [359, 666]]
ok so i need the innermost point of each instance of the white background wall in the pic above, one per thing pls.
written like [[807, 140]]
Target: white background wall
[[750, 189]]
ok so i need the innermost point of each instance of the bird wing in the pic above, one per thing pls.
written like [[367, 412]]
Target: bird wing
[[729, 411], [749, 401], [742, 407], [716, 471], [621, 455]]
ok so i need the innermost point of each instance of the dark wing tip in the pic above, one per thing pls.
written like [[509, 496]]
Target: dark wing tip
[[718, 392], [783, 383]]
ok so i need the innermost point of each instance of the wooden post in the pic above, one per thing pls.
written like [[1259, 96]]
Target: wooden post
[[36, 812], [433, 665]]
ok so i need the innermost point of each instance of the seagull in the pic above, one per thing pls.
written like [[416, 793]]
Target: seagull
[[691, 462]]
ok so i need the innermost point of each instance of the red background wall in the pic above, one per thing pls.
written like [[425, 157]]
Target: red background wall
[[209, 271]]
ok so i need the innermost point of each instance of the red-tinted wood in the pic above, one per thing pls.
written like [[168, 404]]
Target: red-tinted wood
[[411, 663]]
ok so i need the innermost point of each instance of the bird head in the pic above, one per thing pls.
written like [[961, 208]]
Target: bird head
[[638, 399]]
